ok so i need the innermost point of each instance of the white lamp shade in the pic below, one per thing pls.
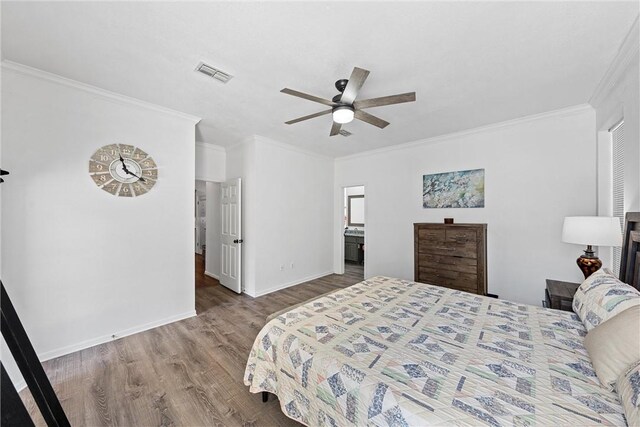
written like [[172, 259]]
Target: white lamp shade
[[592, 230]]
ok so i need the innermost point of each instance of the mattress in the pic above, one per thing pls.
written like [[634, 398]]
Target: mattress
[[392, 352]]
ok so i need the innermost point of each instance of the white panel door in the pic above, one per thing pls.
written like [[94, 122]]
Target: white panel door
[[231, 253]]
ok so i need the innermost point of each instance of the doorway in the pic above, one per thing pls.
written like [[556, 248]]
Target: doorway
[[218, 258], [207, 240], [354, 234]]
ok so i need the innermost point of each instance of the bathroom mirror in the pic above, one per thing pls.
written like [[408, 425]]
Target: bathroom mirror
[[355, 213]]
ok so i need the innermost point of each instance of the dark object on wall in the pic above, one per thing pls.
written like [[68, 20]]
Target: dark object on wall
[[448, 220], [460, 189], [630, 260], [2, 173], [451, 255], [356, 201], [30, 368]]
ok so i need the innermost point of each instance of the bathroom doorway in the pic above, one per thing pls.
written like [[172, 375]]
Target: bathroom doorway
[[354, 231]]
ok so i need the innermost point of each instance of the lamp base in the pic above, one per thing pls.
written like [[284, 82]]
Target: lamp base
[[589, 263]]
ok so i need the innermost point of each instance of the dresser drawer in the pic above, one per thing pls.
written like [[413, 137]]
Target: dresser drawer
[[466, 250], [461, 235], [444, 262], [434, 235], [469, 279], [463, 284]]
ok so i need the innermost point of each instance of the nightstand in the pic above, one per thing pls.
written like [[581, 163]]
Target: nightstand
[[559, 294]]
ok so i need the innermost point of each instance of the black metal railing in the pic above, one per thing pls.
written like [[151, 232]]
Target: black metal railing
[[13, 412]]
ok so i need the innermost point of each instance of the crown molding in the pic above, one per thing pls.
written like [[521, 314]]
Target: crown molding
[[239, 144], [568, 111], [55, 78], [264, 140], [628, 51], [268, 141], [212, 147]]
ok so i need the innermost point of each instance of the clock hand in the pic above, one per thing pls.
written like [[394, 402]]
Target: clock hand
[[124, 166], [133, 174], [127, 171]]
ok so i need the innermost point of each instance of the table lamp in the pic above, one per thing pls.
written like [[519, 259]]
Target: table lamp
[[591, 231]]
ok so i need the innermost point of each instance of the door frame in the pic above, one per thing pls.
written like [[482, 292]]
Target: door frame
[[206, 272], [339, 249]]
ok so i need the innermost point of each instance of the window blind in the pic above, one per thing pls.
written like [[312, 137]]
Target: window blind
[[617, 158]]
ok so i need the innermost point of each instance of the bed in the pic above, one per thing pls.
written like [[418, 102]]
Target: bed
[[394, 352]]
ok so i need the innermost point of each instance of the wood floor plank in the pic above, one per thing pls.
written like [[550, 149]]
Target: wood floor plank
[[187, 373]]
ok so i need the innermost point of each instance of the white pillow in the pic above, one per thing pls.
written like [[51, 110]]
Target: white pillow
[[602, 296], [629, 392], [614, 345]]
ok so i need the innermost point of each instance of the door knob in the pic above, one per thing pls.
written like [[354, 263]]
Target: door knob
[[238, 241]]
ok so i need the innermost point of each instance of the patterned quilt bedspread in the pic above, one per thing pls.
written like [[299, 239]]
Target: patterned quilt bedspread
[[394, 352]]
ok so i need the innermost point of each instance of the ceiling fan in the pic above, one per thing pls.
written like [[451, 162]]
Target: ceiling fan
[[344, 107]]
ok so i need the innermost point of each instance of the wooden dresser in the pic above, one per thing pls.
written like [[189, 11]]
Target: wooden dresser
[[451, 255]]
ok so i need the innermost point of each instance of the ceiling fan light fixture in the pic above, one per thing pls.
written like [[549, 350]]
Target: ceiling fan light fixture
[[343, 114]]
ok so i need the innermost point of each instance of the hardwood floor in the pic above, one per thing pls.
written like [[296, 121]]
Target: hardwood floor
[[187, 373], [201, 278]]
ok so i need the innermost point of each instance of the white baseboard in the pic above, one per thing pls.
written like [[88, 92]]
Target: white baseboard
[[20, 385], [112, 337], [289, 284], [215, 276], [52, 354]]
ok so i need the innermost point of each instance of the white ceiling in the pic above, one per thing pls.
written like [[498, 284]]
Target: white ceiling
[[471, 63]]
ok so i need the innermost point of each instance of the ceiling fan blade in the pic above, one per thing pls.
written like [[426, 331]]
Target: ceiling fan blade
[[309, 97], [372, 120], [358, 76], [310, 116], [385, 100], [335, 129]]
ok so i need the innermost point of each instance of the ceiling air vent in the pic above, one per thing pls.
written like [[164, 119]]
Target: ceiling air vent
[[345, 133], [210, 71]]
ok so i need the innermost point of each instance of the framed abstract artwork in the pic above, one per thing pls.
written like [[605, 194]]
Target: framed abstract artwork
[[461, 189]]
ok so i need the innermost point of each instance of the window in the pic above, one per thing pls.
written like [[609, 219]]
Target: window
[[617, 169]]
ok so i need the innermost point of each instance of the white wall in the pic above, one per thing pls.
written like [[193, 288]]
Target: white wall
[[210, 162], [537, 171], [294, 216], [287, 208], [5, 354], [80, 264], [212, 261], [617, 97]]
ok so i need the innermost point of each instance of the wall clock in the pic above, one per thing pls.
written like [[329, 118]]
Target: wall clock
[[123, 170]]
